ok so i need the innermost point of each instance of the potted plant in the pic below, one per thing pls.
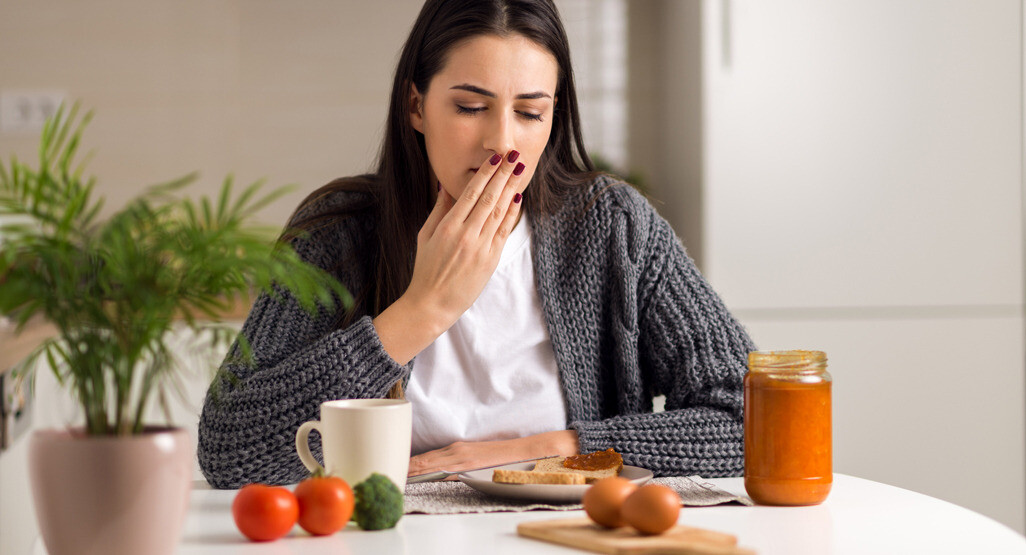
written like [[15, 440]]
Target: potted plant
[[117, 291]]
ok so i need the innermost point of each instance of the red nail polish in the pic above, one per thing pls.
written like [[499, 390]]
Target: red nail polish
[[517, 198], [495, 159], [519, 169], [512, 156]]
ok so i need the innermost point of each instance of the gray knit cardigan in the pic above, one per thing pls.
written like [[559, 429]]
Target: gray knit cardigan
[[629, 315]]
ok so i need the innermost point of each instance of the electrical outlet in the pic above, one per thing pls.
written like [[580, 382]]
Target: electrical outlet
[[25, 111], [15, 408]]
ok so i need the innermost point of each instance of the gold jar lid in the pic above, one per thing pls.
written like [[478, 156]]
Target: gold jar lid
[[782, 360]]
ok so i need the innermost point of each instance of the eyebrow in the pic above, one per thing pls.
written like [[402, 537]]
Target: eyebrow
[[479, 90]]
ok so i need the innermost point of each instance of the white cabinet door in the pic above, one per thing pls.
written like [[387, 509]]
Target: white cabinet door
[[863, 153]]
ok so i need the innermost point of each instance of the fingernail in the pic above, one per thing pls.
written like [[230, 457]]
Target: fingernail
[[495, 159], [517, 198], [519, 169], [512, 156]]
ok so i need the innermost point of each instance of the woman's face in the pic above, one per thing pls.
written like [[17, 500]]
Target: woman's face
[[494, 94]]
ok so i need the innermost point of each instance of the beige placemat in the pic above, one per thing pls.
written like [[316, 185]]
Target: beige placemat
[[438, 498]]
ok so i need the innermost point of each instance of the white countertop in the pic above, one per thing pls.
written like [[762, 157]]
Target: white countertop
[[860, 516]]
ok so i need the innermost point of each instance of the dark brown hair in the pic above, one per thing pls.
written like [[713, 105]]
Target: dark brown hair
[[400, 192]]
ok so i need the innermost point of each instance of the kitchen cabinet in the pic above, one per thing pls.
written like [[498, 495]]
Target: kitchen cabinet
[[862, 194], [864, 153]]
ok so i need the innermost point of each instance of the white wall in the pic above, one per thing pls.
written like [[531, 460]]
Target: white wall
[[666, 112], [292, 92]]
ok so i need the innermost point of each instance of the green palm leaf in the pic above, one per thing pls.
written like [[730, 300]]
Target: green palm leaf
[[117, 290]]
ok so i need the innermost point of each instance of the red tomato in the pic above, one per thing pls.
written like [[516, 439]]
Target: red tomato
[[264, 513], [325, 504]]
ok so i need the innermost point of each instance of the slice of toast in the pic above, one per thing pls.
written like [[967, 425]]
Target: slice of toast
[[553, 470], [503, 476], [555, 465]]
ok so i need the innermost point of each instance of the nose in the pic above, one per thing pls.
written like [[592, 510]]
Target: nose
[[499, 134]]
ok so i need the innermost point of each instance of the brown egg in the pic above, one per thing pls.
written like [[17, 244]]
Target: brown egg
[[603, 499], [652, 509]]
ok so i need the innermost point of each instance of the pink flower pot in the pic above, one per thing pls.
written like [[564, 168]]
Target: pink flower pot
[[110, 495]]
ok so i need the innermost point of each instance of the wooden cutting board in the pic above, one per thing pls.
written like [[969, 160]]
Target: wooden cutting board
[[582, 533]]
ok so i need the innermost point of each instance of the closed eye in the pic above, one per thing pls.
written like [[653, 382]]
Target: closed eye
[[472, 111]]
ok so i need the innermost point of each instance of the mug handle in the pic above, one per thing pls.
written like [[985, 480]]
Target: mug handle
[[303, 445]]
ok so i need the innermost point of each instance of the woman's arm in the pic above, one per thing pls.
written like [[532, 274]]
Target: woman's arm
[[250, 416], [690, 349], [248, 423], [467, 455], [251, 412]]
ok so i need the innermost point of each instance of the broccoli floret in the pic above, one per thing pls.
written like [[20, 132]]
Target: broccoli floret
[[379, 503]]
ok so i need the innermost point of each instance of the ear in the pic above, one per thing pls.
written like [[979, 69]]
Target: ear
[[416, 108]]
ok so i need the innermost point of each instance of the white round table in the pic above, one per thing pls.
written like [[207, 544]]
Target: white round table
[[860, 516]]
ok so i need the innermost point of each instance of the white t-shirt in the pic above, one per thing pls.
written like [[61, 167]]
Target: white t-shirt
[[493, 374]]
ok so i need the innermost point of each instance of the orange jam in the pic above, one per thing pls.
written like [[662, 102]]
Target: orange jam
[[598, 460], [788, 447]]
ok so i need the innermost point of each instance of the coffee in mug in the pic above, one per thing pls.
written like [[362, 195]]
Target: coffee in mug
[[359, 437]]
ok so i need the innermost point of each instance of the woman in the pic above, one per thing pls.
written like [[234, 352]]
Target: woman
[[524, 304]]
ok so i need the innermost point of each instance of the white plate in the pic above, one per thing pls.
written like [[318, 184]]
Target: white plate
[[481, 480]]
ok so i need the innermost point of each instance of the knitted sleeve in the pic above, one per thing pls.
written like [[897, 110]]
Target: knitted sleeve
[[249, 420], [691, 350]]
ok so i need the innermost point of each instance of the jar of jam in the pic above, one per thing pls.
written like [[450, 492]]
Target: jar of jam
[[788, 447]]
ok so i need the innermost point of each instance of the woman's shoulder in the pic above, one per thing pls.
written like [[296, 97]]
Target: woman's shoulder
[[607, 196], [608, 206], [605, 219], [334, 222]]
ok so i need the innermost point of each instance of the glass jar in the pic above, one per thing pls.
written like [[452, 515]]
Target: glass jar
[[788, 447]]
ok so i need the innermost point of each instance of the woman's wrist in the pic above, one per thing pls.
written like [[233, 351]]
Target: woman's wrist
[[407, 327], [561, 443]]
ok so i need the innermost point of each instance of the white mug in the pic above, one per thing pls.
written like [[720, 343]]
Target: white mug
[[359, 437]]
